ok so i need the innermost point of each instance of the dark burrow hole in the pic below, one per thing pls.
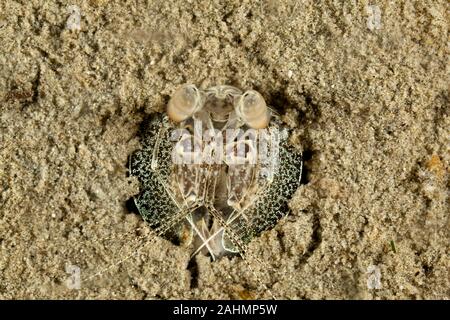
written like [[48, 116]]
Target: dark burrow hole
[[278, 101], [193, 269], [127, 166], [427, 269], [307, 156], [130, 205]]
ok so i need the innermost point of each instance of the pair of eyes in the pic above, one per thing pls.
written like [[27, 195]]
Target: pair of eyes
[[250, 107]]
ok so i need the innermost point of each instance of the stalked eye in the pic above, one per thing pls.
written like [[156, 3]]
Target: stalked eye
[[184, 103], [252, 109]]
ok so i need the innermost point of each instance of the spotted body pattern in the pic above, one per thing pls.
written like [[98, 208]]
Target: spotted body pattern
[[218, 206]]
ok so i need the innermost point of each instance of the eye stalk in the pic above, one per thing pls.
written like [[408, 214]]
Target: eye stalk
[[252, 109], [186, 101]]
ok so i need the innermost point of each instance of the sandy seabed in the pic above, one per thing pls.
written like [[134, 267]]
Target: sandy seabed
[[363, 85]]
